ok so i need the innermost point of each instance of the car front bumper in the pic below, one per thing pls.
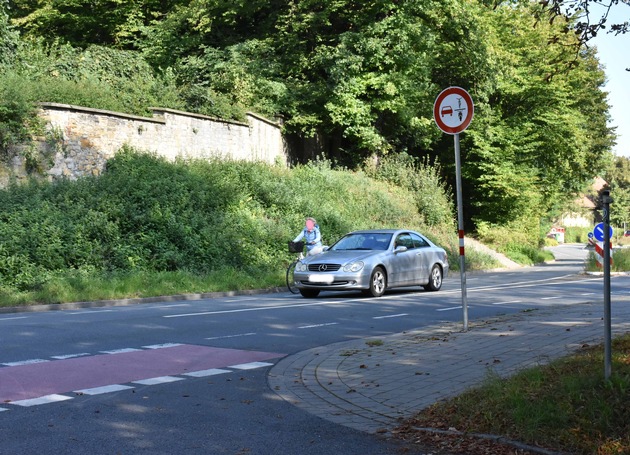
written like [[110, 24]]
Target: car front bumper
[[332, 281]]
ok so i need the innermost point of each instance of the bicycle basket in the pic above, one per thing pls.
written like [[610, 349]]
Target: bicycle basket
[[296, 247]]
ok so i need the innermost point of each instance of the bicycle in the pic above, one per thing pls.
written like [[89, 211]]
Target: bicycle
[[294, 247]]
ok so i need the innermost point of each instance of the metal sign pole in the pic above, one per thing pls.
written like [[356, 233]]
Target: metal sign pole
[[460, 230], [606, 200], [450, 101]]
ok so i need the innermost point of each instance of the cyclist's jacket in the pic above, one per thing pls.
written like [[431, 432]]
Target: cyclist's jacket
[[312, 238]]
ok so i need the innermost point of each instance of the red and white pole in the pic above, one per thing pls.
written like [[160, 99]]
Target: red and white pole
[[460, 230]]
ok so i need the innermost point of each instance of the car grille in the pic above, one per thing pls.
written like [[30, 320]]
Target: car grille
[[323, 267]]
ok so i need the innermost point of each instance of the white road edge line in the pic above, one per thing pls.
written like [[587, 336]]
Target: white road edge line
[[121, 351], [69, 356], [104, 389], [54, 398], [159, 380], [251, 365], [232, 336], [162, 346], [204, 373], [24, 362]]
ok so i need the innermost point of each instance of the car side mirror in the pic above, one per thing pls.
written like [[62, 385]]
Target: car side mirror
[[400, 249]]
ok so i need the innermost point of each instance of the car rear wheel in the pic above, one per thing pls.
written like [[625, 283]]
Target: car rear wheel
[[435, 279], [378, 282], [309, 293]]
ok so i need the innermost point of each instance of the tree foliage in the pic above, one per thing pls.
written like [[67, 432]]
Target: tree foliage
[[360, 79]]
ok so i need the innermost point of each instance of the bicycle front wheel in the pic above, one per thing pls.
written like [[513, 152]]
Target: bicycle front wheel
[[290, 280]]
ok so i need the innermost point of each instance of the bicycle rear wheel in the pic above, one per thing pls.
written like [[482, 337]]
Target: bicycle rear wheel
[[290, 281]]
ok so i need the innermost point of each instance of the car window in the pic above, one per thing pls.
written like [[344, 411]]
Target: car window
[[349, 242], [376, 241], [419, 242], [404, 240]]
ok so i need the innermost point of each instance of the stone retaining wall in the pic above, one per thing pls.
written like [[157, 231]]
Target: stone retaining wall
[[85, 138]]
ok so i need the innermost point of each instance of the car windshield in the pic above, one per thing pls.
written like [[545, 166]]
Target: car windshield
[[363, 241]]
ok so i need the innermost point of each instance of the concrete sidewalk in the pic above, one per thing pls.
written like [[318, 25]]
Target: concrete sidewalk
[[369, 384]]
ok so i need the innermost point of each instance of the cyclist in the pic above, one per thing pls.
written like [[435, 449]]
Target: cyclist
[[312, 236]]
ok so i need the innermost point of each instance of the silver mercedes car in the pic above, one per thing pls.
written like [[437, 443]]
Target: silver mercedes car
[[373, 261]]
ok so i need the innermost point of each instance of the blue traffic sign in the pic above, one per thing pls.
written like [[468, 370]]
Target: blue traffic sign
[[599, 232], [590, 235]]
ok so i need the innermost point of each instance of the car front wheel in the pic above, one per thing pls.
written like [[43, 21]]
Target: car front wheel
[[435, 279], [378, 282]]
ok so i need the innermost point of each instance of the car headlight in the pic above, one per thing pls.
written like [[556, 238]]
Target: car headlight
[[353, 266], [300, 267]]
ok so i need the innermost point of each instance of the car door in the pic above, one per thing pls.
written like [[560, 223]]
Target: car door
[[423, 259], [403, 263]]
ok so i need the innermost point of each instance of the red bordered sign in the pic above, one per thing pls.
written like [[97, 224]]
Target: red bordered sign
[[453, 110]]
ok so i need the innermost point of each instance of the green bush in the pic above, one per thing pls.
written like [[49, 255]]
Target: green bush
[[145, 214], [576, 234]]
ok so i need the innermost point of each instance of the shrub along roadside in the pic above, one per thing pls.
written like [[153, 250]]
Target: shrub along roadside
[[149, 227]]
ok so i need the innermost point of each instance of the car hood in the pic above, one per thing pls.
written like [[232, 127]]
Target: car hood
[[341, 257]]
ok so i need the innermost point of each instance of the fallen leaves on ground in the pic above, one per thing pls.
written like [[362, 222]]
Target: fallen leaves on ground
[[443, 443]]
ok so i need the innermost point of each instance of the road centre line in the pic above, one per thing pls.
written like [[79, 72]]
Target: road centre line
[[550, 298], [385, 297], [451, 308], [243, 310], [11, 319]]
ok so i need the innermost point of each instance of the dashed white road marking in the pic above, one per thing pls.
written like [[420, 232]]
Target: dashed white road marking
[[24, 362], [275, 307], [89, 312], [13, 318], [3, 409], [54, 398], [251, 365], [391, 316], [204, 373], [451, 308], [120, 351], [162, 346], [317, 325], [104, 389], [160, 380], [232, 336], [69, 356], [507, 302], [550, 298]]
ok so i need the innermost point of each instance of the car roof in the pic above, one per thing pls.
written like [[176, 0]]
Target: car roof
[[381, 231]]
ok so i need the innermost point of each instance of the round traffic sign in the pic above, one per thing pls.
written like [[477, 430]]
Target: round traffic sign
[[453, 110], [599, 232]]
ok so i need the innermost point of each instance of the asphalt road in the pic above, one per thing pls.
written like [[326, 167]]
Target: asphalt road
[[190, 376]]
